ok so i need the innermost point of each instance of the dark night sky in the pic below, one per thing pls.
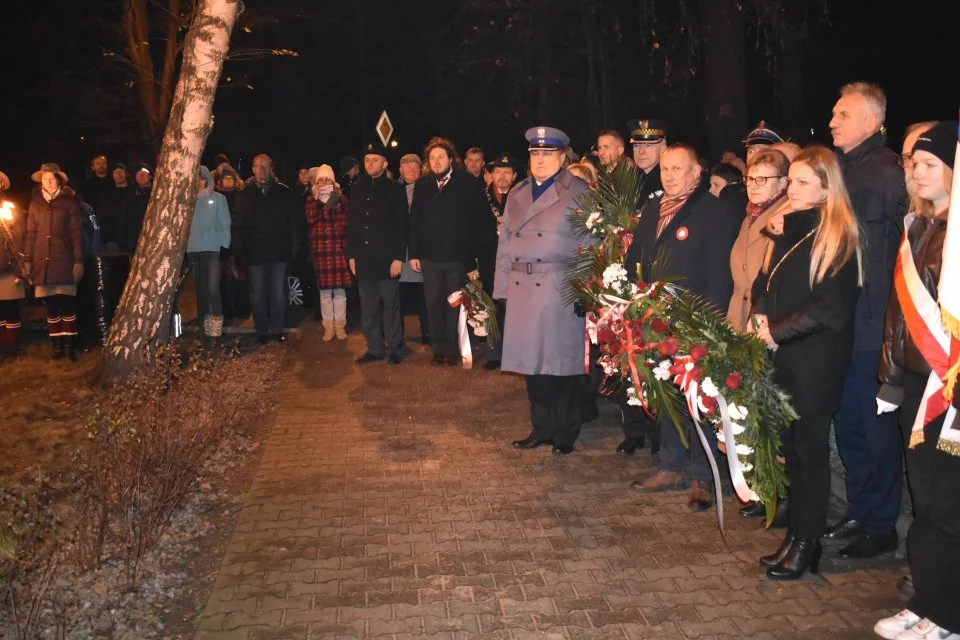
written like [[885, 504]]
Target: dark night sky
[[311, 108]]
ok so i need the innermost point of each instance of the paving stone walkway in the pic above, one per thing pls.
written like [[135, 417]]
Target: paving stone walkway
[[389, 504]]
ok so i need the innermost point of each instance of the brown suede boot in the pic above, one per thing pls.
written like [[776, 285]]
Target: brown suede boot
[[328, 331], [700, 497], [340, 328], [661, 481]]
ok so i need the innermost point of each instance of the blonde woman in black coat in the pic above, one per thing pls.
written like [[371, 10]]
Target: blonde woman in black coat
[[804, 303]]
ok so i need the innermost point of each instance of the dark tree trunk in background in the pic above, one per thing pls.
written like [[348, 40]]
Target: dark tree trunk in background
[[154, 86], [143, 317], [724, 54], [789, 73]]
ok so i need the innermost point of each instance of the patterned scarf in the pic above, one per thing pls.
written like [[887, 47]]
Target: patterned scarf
[[670, 206], [754, 211]]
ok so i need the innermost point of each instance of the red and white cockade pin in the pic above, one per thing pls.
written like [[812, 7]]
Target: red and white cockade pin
[[683, 233]]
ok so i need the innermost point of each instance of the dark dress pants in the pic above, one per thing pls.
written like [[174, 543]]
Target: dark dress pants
[[380, 315], [636, 424], [806, 448], [933, 542], [268, 296], [869, 446], [673, 455], [555, 409], [440, 279]]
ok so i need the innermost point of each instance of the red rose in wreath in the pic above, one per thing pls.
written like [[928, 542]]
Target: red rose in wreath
[[734, 380]]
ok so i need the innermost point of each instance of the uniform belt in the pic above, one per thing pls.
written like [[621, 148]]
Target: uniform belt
[[538, 267]]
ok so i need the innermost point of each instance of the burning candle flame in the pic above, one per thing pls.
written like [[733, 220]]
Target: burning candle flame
[[6, 210]]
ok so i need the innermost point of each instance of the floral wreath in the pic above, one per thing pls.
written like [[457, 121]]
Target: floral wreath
[[664, 348]]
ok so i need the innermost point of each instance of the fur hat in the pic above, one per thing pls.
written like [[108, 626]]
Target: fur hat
[[49, 167], [4, 181], [941, 141]]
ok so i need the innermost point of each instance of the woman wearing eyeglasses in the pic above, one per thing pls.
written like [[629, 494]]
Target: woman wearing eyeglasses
[[804, 298], [766, 182]]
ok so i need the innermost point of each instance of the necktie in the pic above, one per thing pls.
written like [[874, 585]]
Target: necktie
[[442, 182]]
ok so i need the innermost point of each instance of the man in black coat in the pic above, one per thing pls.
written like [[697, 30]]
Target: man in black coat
[[264, 237], [690, 234], [376, 247], [448, 218], [869, 444], [504, 176]]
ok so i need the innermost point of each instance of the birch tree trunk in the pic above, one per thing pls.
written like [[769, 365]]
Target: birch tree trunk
[[143, 315]]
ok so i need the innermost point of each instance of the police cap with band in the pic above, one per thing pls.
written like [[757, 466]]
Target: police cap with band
[[647, 130], [763, 134], [546, 138], [373, 149]]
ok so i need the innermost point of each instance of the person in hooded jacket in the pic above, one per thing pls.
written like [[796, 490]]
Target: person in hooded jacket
[[54, 254], [209, 232]]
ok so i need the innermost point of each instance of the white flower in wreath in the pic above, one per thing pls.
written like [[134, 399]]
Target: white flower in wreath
[[609, 367], [721, 437], [592, 332], [709, 388], [662, 370], [655, 194], [736, 428], [737, 412], [746, 466], [632, 398], [744, 450], [614, 276], [592, 220]]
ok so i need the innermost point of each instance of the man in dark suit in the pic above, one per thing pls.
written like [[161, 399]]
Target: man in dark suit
[[376, 247], [449, 218], [504, 176], [690, 234]]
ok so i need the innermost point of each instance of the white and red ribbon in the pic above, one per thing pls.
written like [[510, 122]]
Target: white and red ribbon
[[455, 300]]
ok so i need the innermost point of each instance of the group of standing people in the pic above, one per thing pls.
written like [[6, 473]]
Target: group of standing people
[[812, 252]]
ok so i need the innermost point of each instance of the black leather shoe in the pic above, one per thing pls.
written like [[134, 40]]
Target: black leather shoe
[[437, 359], [844, 530], [628, 447], [367, 358], [451, 361], [261, 339], [774, 558], [491, 365], [562, 449], [530, 442], [870, 546], [394, 358], [802, 556], [754, 510]]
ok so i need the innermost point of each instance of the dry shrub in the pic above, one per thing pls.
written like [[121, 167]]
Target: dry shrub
[[152, 437]]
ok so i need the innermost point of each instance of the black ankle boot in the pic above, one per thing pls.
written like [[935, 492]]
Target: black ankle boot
[[802, 555], [774, 558], [57, 347]]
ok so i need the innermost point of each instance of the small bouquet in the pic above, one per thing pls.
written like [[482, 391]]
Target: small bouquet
[[481, 311]]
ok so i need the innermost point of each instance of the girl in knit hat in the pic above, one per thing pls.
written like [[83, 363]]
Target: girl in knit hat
[[326, 212]]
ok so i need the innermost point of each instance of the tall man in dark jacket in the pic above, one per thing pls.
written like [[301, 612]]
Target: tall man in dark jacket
[[376, 247], [869, 444], [691, 234], [264, 237], [448, 218]]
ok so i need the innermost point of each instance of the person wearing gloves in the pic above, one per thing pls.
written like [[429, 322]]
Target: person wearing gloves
[[209, 231], [913, 360], [326, 210], [54, 254]]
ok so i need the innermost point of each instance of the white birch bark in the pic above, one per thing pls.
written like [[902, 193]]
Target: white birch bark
[[143, 316]]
